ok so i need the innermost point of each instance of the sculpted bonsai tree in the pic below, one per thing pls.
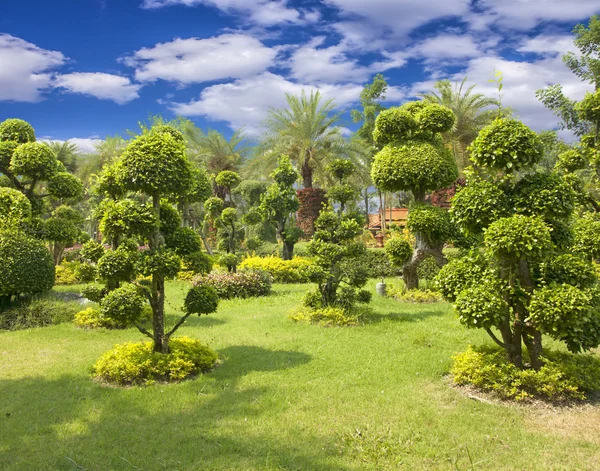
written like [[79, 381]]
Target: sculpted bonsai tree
[[279, 204], [413, 158], [522, 279], [153, 167]]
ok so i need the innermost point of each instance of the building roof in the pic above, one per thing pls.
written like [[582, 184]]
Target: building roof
[[398, 216]]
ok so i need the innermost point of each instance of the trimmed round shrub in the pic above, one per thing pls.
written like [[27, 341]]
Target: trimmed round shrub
[[201, 299], [435, 118], [65, 185], [123, 305], [587, 236], [214, 206], [125, 218], [117, 265], [419, 165], [228, 179], [517, 236], [91, 318], [392, 125], [571, 160], [378, 264], [545, 195], [341, 193], [170, 130], [14, 207], [399, 250], [430, 221], [479, 204], [35, 160], [197, 263], [461, 273], [481, 305], [244, 284], [184, 241], [282, 271], [16, 130], [60, 230], [507, 145], [137, 363], [94, 293], [569, 269], [161, 261], [27, 266], [6, 152], [229, 261], [340, 169], [92, 251]]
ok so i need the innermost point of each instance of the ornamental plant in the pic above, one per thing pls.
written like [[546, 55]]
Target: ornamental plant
[[153, 168], [413, 159], [524, 275], [279, 204]]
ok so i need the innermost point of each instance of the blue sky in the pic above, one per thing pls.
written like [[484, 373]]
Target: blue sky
[[84, 69]]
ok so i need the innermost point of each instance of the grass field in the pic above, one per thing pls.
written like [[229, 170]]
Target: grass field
[[287, 396]]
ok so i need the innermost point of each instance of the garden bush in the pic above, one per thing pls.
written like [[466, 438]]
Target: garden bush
[[42, 312], [378, 264], [282, 271], [562, 377], [244, 284], [137, 363], [92, 318], [71, 273], [414, 295], [328, 317]]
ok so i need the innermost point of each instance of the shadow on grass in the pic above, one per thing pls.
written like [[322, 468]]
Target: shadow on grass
[[213, 422], [377, 317], [198, 321]]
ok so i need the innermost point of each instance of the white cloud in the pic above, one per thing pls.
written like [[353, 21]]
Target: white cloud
[[548, 45], [525, 14], [245, 103], [447, 46], [25, 69], [193, 60], [100, 85], [260, 12], [86, 145]]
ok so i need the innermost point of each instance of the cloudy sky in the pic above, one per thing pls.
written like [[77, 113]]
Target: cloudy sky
[[84, 69]]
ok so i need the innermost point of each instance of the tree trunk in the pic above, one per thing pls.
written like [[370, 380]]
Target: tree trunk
[[288, 251], [307, 175], [161, 341], [366, 200]]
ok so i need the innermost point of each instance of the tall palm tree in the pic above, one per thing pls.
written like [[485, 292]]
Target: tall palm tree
[[472, 114], [214, 150], [307, 132], [106, 151], [66, 152]]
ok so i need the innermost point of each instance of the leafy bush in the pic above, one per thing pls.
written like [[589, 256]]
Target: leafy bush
[[378, 264], [91, 318], [327, 317], [229, 261], [137, 363], [16, 130], [70, 273], [561, 377], [428, 269], [282, 271], [201, 299], [244, 284], [92, 251], [123, 305], [38, 313], [414, 295]]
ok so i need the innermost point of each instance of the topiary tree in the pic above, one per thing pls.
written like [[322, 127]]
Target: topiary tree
[[522, 278], [279, 204], [154, 166], [228, 180], [341, 193], [414, 159]]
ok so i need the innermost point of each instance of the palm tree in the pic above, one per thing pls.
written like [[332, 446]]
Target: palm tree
[[106, 151], [66, 152], [470, 111], [307, 132]]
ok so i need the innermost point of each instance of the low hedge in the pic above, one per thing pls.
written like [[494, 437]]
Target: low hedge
[[42, 312], [243, 284], [137, 363], [282, 271]]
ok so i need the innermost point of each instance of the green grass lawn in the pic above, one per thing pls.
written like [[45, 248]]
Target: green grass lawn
[[286, 396]]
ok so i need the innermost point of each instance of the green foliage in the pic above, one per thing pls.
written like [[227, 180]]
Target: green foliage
[[229, 261], [428, 268], [34, 160], [170, 219], [117, 265], [506, 145], [517, 236], [42, 312], [340, 169], [200, 188], [155, 163], [197, 263], [60, 230], [563, 377], [435, 118], [572, 160], [94, 293], [589, 107], [184, 241], [75, 272], [482, 305], [92, 251], [477, 205], [461, 273], [201, 299], [415, 166], [587, 236], [243, 284], [378, 263], [6, 151], [228, 179], [569, 314], [15, 208], [399, 250], [229, 216], [125, 218], [163, 262], [282, 271], [27, 266], [137, 363], [327, 317], [417, 296], [393, 125], [16, 130], [91, 318], [65, 185], [570, 269], [123, 305], [214, 206], [432, 222], [547, 195]]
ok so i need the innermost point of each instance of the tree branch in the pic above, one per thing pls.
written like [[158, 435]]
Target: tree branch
[[495, 339], [176, 326], [144, 331]]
